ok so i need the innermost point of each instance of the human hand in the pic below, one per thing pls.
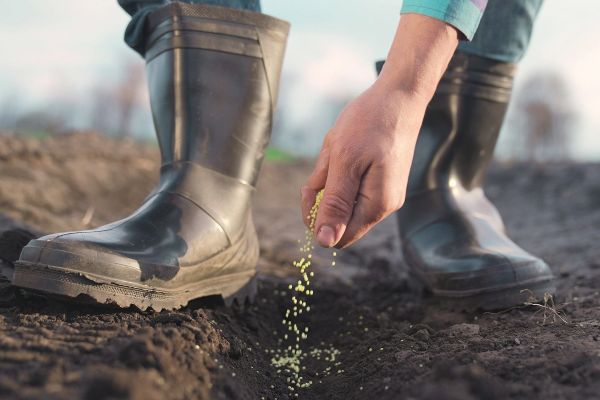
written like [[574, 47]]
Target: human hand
[[365, 159], [364, 164]]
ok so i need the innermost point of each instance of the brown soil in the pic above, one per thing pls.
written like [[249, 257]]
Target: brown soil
[[394, 342]]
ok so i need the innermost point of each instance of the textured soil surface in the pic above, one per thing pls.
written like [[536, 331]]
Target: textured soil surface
[[394, 342]]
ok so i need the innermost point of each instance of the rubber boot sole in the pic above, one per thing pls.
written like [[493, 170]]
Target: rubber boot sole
[[53, 280], [496, 298], [488, 299]]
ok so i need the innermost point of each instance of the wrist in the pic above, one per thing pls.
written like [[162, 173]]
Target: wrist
[[406, 84], [419, 55], [403, 93]]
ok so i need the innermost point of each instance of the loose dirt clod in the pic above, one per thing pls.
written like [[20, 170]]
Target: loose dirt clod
[[289, 358]]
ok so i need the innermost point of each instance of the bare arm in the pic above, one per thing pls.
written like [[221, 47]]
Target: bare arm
[[366, 156]]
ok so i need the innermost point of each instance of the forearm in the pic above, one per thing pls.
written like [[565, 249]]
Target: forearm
[[419, 55]]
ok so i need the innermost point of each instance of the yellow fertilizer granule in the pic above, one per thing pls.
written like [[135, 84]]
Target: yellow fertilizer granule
[[289, 358]]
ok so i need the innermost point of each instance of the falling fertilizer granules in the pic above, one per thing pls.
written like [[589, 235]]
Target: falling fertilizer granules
[[290, 358]]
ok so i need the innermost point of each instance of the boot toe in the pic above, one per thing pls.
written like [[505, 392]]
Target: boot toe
[[462, 255], [81, 256], [486, 274]]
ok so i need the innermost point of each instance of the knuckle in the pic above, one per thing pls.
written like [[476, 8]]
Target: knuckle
[[341, 148], [323, 154], [400, 198], [401, 202], [336, 206], [387, 203], [315, 178], [393, 205], [376, 216], [377, 210], [352, 166]]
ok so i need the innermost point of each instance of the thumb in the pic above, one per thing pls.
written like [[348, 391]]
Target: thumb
[[337, 205]]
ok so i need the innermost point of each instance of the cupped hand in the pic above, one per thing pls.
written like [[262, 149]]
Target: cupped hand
[[364, 164]]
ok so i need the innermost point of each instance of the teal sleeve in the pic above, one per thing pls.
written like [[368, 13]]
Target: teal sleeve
[[464, 15]]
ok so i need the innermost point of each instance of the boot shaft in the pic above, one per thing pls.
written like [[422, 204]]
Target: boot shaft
[[213, 77], [461, 125]]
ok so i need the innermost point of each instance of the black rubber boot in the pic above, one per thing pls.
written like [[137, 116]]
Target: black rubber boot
[[213, 76], [453, 238]]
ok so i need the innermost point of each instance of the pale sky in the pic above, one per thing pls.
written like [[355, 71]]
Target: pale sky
[[58, 51]]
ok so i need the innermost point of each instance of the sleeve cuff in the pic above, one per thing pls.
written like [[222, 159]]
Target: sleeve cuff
[[464, 15]]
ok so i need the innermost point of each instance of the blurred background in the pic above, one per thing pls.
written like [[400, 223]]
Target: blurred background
[[65, 67]]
